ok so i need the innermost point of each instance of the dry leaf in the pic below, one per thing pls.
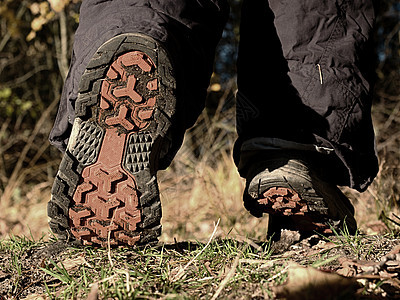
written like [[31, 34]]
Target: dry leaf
[[387, 267], [73, 263], [356, 267], [347, 271], [310, 283]]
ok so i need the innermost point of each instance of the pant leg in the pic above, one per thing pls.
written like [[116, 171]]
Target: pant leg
[[189, 29], [304, 80]]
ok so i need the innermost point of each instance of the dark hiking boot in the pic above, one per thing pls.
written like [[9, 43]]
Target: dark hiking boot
[[296, 198], [105, 191]]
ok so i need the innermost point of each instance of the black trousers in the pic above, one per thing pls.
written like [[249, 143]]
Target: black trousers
[[304, 73]]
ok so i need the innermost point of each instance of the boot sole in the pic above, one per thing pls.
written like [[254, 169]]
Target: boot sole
[[291, 195], [106, 192]]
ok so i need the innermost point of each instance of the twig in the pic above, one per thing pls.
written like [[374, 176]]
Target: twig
[[393, 115], [128, 278], [17, 81], [391, 220], [388, 141], [228, 277], [3, 129], [396, 216], [181, 272]]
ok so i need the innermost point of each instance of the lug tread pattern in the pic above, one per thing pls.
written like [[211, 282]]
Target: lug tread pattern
[[134, 98], [290, 191], [138, 152], [88, 143], [105, 208]]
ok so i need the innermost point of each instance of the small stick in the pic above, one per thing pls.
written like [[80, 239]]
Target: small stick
[[228, 277], [397, 217], [182, 271]]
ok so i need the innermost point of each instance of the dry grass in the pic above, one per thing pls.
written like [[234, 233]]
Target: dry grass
[[200, 196], [198, 189], [378, 207]]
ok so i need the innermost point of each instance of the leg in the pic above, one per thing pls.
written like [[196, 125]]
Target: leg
[[128, 88], [311, 102]]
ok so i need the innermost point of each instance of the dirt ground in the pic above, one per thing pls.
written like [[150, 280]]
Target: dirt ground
[[371, 262]]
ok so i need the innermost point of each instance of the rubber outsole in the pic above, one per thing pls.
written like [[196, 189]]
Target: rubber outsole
[[300, 201], [106, 192]]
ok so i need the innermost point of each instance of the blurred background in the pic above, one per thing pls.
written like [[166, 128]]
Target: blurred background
[[202, 184]]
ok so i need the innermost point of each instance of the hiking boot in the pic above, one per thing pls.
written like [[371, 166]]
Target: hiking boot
[[105, 192], [294, 196]]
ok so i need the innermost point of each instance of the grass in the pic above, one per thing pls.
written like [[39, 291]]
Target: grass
[[342, 237], [218, 269], [188, 270], [199, 188]]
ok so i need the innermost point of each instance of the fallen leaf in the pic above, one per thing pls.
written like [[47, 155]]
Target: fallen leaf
[[347, 271], [310, 283], [387, 267], [356, 267], [73, 263]]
